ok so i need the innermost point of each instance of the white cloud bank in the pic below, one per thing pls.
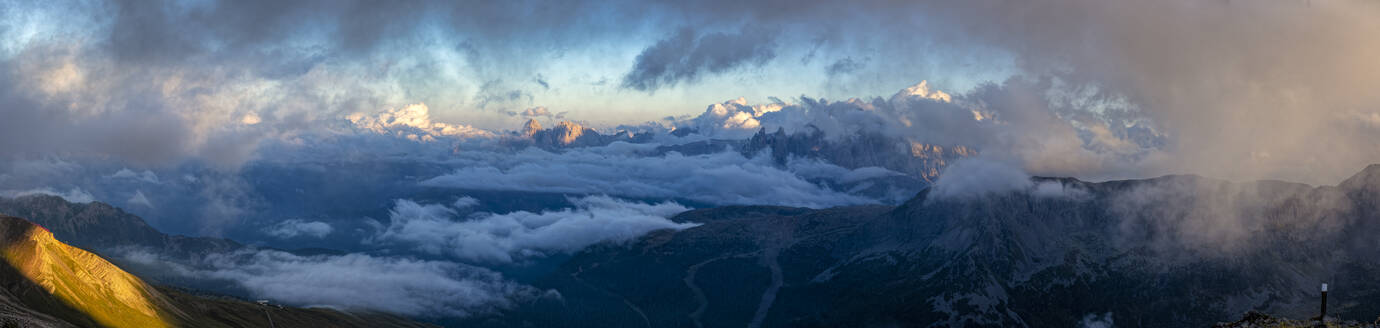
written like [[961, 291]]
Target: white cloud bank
[[75, 195], [146, 176], [504, 238], [294, 227], [139, 199], [624, 170], [976, 177], [354, 281], [425, 288], [414, 123]]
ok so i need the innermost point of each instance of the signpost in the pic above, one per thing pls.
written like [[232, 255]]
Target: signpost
[[1323, 317]]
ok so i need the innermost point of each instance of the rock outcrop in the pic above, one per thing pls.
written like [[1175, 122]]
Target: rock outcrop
[[530, 128]]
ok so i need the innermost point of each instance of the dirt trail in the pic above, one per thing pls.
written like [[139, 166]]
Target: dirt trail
[[630, 305], [769, 296]]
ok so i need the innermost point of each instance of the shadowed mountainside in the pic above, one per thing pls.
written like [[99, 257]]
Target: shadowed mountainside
[[1175, 251], [1168, 251], [98, 226]]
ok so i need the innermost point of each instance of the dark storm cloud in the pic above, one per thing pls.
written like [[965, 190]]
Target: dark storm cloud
[[499, 93], [160, 32], [688, 54], [140, 128], [539, 80], [842, 66]]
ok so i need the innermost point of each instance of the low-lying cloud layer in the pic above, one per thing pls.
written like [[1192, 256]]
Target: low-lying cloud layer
[[975, 177], [294, 227], [75, 195], [409, 286], [353, 281], [504, 238], [972, 178], [630, 170], [414, 123]]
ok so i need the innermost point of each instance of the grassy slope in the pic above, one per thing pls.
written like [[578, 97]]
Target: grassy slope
[[50, 284], [85, 282]]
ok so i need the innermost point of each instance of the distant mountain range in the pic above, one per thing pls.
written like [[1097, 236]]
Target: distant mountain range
[[568, 134], [917, 160], [911, 165], [1175, 251]]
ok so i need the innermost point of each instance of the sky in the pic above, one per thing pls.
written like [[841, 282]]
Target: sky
[[204, 91], [156, 82], [191, 71], [119, 101], [372, 126], [472, 60]]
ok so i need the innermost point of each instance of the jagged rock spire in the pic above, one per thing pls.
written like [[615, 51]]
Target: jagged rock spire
[[531, 128]]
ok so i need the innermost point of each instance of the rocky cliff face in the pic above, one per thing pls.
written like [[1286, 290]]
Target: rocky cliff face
[[1175, 251], [530, 128]]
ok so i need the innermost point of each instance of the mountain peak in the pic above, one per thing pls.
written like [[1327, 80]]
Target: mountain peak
[[13, 228], [531, 128], [567, 131], [1368, 178], [921, 90]]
